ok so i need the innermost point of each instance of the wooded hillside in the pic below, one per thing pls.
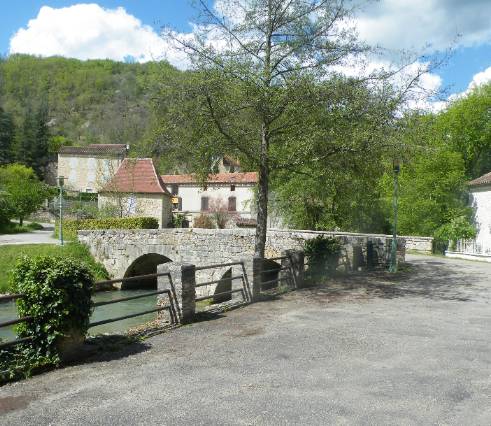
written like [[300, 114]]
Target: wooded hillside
[[96, 101]]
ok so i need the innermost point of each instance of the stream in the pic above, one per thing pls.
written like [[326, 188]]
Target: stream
[[8, 311]]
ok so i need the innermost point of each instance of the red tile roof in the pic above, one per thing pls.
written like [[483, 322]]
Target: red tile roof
[[483, 180], [95, 149], [136, 175], [243, 177]]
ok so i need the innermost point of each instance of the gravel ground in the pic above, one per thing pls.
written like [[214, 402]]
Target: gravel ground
[[408, 350]]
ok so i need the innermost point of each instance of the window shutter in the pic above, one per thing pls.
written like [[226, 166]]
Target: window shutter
[[204, 204], [232, 204]]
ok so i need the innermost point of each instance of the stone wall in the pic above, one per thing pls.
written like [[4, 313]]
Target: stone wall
[[158, 206], [421, 244], [118, 249]]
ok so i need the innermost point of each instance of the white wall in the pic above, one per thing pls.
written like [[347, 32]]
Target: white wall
[[481, 202], [191, 196]]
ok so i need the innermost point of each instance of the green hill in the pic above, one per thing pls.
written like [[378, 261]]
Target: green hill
[[95, 101]]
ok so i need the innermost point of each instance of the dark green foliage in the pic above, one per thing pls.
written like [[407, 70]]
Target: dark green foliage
[[70, 227], [95, 101], [179, 220], [323, 255], [58, 297], [7, 135]]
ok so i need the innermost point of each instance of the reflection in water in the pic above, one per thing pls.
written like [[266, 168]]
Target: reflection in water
[[8, 311]]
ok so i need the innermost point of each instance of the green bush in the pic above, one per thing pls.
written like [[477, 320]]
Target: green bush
[[70, 227], [458, 228], [323, 255], [58, 298]]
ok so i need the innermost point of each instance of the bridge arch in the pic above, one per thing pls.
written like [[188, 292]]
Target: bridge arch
[[144, 265]]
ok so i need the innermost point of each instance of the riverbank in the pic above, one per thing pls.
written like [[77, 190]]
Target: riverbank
[[10, 253]]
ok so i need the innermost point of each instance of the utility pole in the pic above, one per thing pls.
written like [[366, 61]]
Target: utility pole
[[61, 181], [393, 255]]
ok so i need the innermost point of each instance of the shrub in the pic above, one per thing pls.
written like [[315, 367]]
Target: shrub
[[323, 253], [203, 221], [458, 228], [70, 227], [58, 298], [179, 221]]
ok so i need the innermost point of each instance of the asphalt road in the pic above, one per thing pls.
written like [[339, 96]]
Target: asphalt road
[[44, 236], [414, 349]]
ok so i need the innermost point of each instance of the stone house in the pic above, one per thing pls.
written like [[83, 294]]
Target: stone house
[[233, 192], [137, 190], [89, 168], [480, 247]]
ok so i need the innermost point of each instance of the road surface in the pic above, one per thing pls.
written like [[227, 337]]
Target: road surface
[[408, 350]]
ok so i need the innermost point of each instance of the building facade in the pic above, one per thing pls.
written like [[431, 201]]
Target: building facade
[[137, 190], [480, 247], [233, 192], [89, 168]]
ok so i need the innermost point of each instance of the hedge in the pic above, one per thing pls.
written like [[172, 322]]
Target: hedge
[[70, 226]]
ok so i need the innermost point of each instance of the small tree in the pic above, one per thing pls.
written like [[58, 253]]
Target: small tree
[[24, 192]]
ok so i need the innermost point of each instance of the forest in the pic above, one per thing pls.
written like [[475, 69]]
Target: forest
[[49, 102]]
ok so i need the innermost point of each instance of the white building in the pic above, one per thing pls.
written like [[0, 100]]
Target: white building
[[233, 192], [89, 168], [480, 247]]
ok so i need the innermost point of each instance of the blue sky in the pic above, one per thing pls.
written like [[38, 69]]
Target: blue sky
[[465, 25]]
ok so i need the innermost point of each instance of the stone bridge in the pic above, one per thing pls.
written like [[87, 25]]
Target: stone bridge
[[127, 253]]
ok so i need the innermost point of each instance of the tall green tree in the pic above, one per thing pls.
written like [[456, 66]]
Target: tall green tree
[[259, 94], [466, 127], [40, 149], [7, 137], [23, 192]]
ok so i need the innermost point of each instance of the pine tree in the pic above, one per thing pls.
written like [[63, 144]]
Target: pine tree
[[26, 140], [7, 134], [41, 146]]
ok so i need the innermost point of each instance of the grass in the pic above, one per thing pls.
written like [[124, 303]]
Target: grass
[[10, 253], [15, 228]]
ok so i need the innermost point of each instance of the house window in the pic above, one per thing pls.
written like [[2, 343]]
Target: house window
[[232, 204], [232, 188], [204, 204], [174, 189]]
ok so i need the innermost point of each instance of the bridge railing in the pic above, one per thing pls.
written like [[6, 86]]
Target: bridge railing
[[170, 306], [9, 323]]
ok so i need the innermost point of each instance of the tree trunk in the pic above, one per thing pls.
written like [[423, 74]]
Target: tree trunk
[[262, 199], [21, 221]]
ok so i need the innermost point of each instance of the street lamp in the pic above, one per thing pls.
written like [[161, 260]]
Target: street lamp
[[61, 182], [396, 167]]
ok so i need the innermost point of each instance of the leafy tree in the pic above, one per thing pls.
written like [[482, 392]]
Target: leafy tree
[[432, 181], [7, 134], [41, 146], [261, 97], [466, 127], [26, 141], [24, 192]]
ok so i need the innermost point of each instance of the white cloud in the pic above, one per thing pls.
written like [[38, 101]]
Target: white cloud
[[479, 79], [88, 31], [414, 24]]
